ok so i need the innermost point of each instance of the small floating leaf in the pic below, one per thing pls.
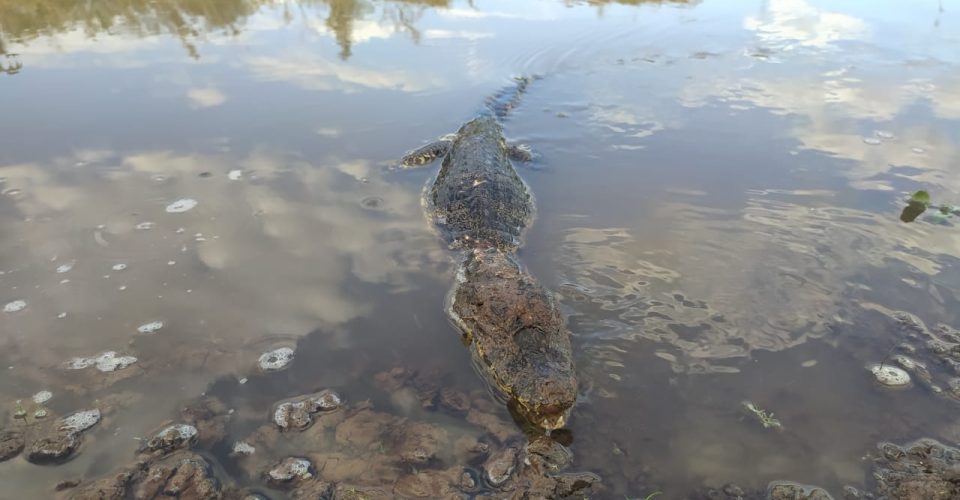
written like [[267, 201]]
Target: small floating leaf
[[921, 197]]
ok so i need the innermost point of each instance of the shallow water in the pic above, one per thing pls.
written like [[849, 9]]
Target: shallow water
[[718, 196]]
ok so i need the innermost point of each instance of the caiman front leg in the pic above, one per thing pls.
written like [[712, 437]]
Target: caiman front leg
[[427, 154], [521, 152]]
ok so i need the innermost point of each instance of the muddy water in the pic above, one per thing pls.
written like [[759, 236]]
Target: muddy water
[[718, 196]]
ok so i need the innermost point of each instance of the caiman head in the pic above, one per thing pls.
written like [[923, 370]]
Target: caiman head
[[517, 335]]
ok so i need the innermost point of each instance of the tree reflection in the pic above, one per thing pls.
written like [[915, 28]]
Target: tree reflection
[[190, 20]]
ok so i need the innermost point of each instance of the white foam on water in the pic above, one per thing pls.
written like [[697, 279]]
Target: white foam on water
[[183, 431], [873, 141], [61, 315], [119, 267], [144, 226], [65, 268], [106, 362], [181, 205], [151, 327], [276, 359], [243, 448], [890, 376], [15, 306], [80, 421], [235, 175], [918, 151], [42, 397]]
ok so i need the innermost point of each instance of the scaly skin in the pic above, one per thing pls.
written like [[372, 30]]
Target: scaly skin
[[478, 198], [515, 330], [517, 336]]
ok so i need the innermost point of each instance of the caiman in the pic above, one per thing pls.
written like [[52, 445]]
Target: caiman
[[481, 206]]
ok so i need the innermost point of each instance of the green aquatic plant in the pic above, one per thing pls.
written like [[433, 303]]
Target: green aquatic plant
[[920, 202], [20, 413], [648, 497], [764, 417]]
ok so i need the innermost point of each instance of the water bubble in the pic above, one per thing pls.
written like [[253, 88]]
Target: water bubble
[[371, 202], [276, 359], [151, 327], [235, 175], [15, 306], [119, 267], [181, 205], [42, 397], [884, 134]]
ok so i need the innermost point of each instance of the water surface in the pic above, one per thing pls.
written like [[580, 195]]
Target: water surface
[[718, 197]]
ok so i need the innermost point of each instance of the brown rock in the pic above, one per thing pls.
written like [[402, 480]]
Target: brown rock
[[428, 484], [419, 442], [454, 401], [499, 428], [500, 466], [209, 416], [313, 490], [11, 444]]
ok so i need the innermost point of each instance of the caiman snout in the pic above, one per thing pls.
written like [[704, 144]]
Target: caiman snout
[[519, 334]]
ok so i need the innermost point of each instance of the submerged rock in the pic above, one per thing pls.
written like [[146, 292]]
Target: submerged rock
[[782, 490], [184, 475], [925, 469], [500, 465], [172, 437], [53, 448], [289, 470], [313, 490], [297, 414], [209, 415], [56, 442], [11, 444], [547, 454], [180, 476]]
